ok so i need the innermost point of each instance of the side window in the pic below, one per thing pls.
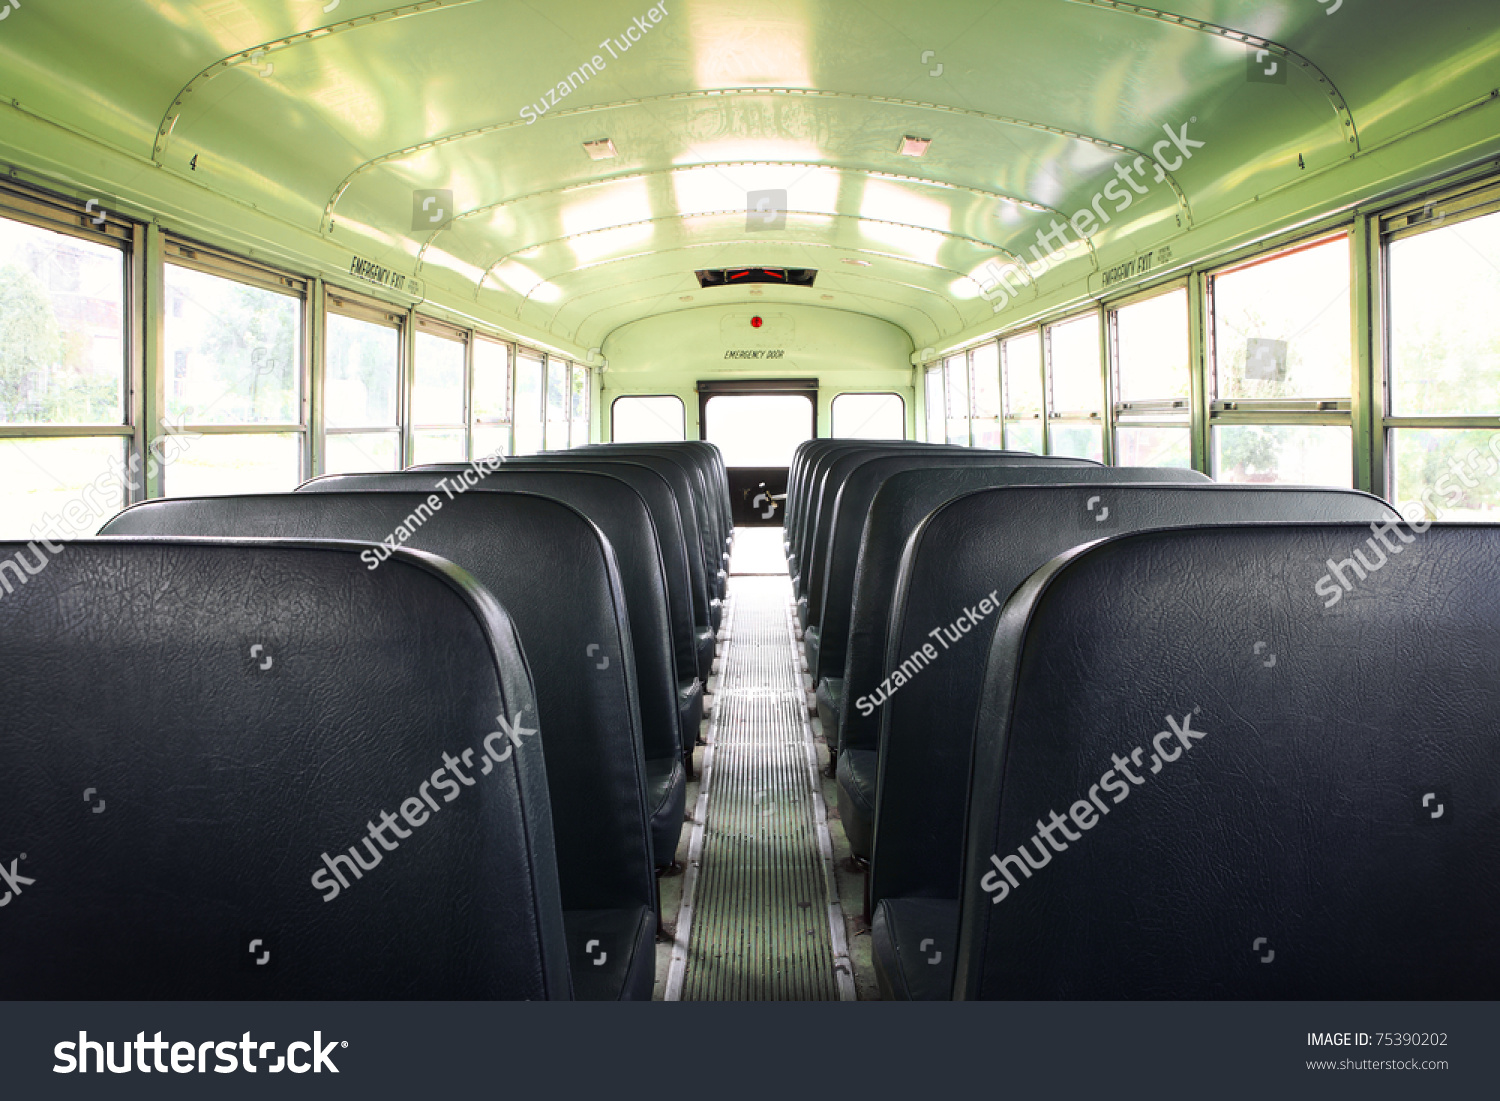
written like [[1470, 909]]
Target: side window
[[648, 419], [64, 432], [1075, 388], [491, 424], [360, 389], [1442, 429], [530, 382], [869, 417], [234, 342], [1149, 348], [1282, 368], [1021, 384], [439, 381]]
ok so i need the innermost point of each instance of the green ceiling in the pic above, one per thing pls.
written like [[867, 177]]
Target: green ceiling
[[328, 121]]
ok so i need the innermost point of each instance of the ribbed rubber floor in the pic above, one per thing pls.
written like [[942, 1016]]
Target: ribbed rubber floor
[[761, 927]]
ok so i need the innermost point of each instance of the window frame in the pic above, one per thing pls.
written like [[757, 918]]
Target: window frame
[[69, 218], [1452, 204], [343, 303], [1305, 412], [1171, 413], [192, 255]]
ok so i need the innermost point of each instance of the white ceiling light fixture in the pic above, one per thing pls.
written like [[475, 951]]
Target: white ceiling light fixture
[[856, 263], [601, 150], [913, 147]]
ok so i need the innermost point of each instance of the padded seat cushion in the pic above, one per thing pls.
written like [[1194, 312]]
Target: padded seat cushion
[[915, 943], [857, 772], [666, 800], [830, 697]]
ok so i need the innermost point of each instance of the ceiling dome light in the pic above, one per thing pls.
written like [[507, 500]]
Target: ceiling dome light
[[604, 150], [913, 147]]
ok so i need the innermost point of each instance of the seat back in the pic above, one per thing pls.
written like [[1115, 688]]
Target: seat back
[[710, 529], [689, 505], [622, 516], [556, 576], [969, 556], [814, 475], [900, 504], [196, 735], [848, 510], [1323, 826]]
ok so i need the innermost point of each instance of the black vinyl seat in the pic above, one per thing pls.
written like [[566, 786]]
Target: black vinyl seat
[[840, 524], [690, 507], [555, 574], [971, 554], [710, 526], [827, 648], [812, 497], [900, 504], [622, 516], [237, 719], [687, 583], [1331, 834]]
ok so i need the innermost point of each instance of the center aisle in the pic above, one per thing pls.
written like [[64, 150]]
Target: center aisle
[[760, 917]]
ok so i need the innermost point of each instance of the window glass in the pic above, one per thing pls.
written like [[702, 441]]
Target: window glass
[[1446, 473], [1282, 326], [1073, 366], [1444, 327], [356, 452], [956, 386], [1151, 349], [1079, 441], [1287, 453], [238, 463], [62, 329], [363, 368], [869, 417], [580, 432], [557, 389], [232, 351], [1141, 445], [984, 366], [648, 419], [437, 445], [437, 392], [491, 398], [935, 404], [984, 395], [758, 429], [1024, 436], [528, 414], [1022, 357], [61, 487]]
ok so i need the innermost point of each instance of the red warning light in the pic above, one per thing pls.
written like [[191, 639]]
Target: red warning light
[[755, 322]]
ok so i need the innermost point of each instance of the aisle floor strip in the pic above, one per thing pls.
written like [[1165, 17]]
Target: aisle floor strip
[[760, 916]]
